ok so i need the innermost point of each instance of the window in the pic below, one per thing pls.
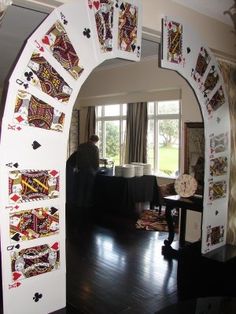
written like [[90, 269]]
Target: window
[[110, 127], [163, 137]]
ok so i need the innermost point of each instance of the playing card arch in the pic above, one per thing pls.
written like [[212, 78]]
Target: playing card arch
[[184, 52], [54, 63]]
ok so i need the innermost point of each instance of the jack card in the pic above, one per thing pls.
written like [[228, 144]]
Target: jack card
[[34, 223], [57, 42]]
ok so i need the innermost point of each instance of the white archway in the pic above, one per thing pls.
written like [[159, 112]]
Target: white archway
[[43, 87], [42, 90], [185, 52]]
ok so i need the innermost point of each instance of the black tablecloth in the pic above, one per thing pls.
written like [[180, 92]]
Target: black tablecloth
[[118, 194]]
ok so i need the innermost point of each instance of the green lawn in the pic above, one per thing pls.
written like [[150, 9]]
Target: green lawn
[[169, 159]]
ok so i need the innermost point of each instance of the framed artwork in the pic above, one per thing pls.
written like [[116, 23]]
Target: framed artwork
[[194, 153]]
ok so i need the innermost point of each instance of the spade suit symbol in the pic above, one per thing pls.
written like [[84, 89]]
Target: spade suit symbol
[[36, 145]]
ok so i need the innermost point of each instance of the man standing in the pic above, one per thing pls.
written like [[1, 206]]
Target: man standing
[[87, 163]]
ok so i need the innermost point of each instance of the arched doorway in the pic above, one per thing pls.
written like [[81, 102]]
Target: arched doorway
[[35, 129]]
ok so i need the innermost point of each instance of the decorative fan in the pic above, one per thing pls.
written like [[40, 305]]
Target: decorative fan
[[232, 13]]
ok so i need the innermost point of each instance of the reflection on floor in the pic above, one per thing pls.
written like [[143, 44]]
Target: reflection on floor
[[114, 268]]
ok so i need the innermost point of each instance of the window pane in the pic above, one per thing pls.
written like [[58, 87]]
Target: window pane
[[168, 147], [99, 111], [122, 148], [150, 108], [150, 143], [168, 107], [99, 133], [112, 110], [112, 129]]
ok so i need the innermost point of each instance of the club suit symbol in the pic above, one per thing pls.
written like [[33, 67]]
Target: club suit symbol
[[37, 296]]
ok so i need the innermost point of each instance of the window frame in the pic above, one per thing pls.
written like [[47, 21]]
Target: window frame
[[103, 119], [156, 117]]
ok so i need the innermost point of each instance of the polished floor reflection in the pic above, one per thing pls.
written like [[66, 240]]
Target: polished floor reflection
[[114, 268]]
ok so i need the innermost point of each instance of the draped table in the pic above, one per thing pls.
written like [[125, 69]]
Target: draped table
[[120, 195]]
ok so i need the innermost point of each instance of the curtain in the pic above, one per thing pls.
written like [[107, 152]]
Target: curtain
[[228, 71], [136, 133], [87, 123], [74, 133]]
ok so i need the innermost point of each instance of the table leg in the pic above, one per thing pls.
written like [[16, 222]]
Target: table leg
[[170, 224], [167, 250], [182, 227]]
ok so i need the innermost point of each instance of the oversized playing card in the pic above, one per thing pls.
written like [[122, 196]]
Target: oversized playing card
[[52, 37], [102, 20], [210, 82], [201, 66], [219, 166], [129, 14], [175, 42], [215, 235], [80, 32], [31, 111], [217, 190], [58, 43], [216, 101], [33, 185], [34, 261], [219, 143], [43, 76], [34, 223]]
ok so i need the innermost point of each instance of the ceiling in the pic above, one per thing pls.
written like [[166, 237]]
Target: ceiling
[[212, 8], [25, 15]]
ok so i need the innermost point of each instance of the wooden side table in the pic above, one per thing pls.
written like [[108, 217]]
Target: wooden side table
[[176, 201]]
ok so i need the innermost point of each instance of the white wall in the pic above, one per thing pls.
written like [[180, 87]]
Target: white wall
[[140, 81], [217, 35]]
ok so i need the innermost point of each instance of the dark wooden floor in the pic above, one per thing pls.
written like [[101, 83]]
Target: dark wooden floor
[[114, 268]]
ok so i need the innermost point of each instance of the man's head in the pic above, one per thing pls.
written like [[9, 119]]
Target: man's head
[[94, 138]]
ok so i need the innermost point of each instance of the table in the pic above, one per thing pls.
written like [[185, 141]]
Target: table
[[119, 194], [176, 201]]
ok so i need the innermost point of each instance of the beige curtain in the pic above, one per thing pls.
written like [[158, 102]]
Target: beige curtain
[[74, 132], [136, 133], [229, 74], [87, 123]]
